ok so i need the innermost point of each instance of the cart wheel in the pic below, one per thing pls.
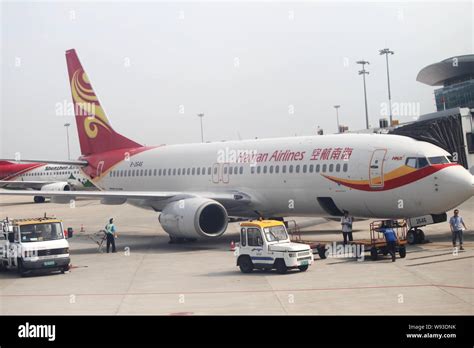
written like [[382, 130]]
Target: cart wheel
[[402, 251], [303, 268], [321, 252], [280, 266], [245, 264], [384, 251], [420, 236], [411, 237], [20, 268], [373, 253]]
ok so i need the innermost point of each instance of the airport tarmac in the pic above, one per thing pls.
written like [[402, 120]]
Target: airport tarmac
[[149, 276]]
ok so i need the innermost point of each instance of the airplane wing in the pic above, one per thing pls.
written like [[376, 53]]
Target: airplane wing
[[23, 185], [231, 200], [66, 163]]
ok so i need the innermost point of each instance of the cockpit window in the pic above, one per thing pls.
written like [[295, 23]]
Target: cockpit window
[[438, 160], [416, 162]]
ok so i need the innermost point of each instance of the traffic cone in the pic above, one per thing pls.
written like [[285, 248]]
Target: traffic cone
[[232, 246]]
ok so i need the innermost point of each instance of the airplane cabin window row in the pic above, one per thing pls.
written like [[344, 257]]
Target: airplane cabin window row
[[232, 170]]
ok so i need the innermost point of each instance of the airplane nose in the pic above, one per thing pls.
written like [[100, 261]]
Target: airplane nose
[[457, 182]]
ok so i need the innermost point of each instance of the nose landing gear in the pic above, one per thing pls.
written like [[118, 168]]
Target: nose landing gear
[[415, 236]]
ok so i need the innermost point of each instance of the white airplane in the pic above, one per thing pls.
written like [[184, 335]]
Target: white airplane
[[42, 176], [197, 187]]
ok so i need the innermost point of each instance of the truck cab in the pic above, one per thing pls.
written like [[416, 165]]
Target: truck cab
[[265, 244], [37, 244]]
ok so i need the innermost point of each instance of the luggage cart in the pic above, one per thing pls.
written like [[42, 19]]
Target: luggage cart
[[295, 237], [99, 238], [377, 244]]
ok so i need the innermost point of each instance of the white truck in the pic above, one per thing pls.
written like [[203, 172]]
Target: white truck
[[265, 244], [33, 245]]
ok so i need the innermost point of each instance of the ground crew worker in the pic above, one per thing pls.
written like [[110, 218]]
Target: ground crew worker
[[390, 237], [346, 222], [457, 223], [110, 232]]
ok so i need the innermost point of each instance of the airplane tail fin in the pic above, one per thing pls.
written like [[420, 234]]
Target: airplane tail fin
[[95, 131]]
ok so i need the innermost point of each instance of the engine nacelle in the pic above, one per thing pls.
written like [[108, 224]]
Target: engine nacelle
[[194, 218], [57, 186]]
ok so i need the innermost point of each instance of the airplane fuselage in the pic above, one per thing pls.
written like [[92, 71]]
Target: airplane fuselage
[[368, 175]]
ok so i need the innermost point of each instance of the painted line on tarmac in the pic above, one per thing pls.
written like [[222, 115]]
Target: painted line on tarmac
[[243, 291], [454, 259]]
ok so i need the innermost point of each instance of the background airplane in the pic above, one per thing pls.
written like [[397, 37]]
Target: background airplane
[[42, 176], [197, 187]]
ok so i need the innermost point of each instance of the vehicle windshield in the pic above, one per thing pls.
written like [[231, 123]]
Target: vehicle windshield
[[275, 233], [41, 232]]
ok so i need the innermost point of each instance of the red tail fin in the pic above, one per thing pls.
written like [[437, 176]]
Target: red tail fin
[[95, 132]]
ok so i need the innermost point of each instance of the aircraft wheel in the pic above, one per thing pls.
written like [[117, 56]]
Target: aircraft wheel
[[39, 199], [420, 236], [411, 237]]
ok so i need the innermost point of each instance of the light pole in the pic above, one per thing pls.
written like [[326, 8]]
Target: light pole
[[363, 72], [337, 117], [67, 135], [202, 133], [387, 51]]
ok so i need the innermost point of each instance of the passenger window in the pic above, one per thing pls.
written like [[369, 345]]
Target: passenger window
[[203, 171], [146, 170], [129, 172], [331, 167], [344, 167], [264, 169], [338, 167], [305, 167], [179, 171], [188, 172], [199, 171], [209, 171], [215, 170], [159, 172], [243, 237], [317, 168], [290, 169], [154, 172], [252, 170], [324, 168], [241, 170], [193, 171], [283, 169], [225, 169], [254, 237], [271, 169], [297, 168], [258, 170], [277, 169], [311, 168]]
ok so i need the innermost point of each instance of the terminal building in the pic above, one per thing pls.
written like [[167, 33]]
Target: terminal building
[[456, 76], [451, 127]]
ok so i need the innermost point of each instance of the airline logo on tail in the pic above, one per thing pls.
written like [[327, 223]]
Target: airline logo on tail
[[87, 104], [96, 134]]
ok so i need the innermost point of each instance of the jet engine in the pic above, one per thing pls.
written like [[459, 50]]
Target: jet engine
[[193, 218], [57, 186]]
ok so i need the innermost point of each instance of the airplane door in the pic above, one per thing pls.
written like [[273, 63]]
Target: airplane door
[[376, 168], [225, 173], [215, 173], [100, 167]]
